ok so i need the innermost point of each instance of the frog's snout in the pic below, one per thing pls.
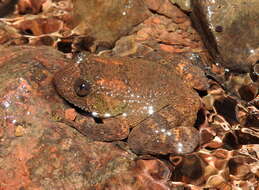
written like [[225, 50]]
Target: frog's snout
[[82, 87]]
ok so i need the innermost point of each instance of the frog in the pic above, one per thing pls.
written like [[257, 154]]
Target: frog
[[139, 101]]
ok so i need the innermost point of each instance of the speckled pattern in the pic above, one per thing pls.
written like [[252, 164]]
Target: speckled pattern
[[124, 90]]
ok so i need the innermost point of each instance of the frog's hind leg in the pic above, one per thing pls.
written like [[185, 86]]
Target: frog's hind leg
[[164, 132]]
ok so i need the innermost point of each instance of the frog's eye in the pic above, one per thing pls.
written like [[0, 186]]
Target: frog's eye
[[82, 87]]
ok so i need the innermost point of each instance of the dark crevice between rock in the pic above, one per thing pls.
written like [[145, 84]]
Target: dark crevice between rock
[[27, 31], [98, 120], [83, 43], [254, 71], [245, 138], [219, 79], [200, 119], [27, 10], [226, 107], [252, 121], [201, 93], [65, 47], [230, 141], [157, 13], [161, 157], [211, 148], [7, 7]]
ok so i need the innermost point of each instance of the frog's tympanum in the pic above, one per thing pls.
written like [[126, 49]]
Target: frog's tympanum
[[133, 94]]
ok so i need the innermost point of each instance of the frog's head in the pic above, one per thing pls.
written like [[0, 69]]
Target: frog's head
[[87, 93], [100, 99]]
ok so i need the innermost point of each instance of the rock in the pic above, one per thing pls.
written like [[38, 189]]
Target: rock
[[31, 6], [39, 26], [72, 162], [152, 174], [209, 169], [97, 19], [19, 131], [7, 33], [183, 4], [165, 7], [34, 22], [6, 7], [162, 40], [25, 92], [37, 152], [230, 30]]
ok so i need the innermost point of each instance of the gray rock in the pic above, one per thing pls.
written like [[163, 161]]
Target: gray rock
[[230, 29]]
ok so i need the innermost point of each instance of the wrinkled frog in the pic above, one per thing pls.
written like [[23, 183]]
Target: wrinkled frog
[[143, 101]]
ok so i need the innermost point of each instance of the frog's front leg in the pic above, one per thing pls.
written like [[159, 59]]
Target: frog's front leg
[[109, 129]]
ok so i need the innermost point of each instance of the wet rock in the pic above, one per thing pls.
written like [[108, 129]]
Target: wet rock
[[31, 6], [7, 7], [96, 19], [68, 161], [36, 151], [183, 4], [189, 169], [40, 26], [232, 114], [241, 85], [166, 8], [176, 45], [219, 169], [161, 32], [26, 90], [51, 20], [7, 33], [230, 30], [150, 174]]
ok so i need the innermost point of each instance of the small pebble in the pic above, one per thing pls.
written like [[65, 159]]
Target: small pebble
[[19, 131], [70, 114]]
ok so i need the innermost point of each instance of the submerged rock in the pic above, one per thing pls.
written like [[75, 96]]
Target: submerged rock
[[107, 21], [230, 29], [217, 169], [183, 4]]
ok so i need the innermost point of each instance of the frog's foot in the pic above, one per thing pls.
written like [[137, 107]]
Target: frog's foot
[[163, 135], [110, 129]]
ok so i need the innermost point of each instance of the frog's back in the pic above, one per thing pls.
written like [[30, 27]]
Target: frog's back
[[135, 88]]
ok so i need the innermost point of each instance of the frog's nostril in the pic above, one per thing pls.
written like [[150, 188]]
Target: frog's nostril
[[82, 87]]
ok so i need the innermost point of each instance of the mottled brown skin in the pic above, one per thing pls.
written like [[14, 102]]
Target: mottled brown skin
[[134, 93]]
